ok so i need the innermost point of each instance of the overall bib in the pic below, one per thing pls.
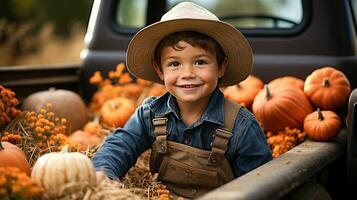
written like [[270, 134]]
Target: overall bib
[[189, 171]]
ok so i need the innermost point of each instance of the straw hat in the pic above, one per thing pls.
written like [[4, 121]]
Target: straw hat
[[187, 16]]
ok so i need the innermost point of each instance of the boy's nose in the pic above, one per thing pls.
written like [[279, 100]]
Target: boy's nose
[[187, 71]]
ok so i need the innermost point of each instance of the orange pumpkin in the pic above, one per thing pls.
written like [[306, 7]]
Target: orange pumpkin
[[93, 127], [84, 139], [115, 112], [65, 104], [287, 80], [327, 88], [280, 107], [13, 156], [322, 125], [245, 91]]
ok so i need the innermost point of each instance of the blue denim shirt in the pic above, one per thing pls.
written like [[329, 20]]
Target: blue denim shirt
[[247, 148]]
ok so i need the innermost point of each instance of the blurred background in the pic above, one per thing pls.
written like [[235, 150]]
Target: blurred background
[[42, 31]]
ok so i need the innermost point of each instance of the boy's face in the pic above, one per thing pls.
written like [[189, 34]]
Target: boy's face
[[190, 74]]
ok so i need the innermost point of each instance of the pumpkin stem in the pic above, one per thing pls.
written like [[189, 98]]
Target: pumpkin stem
[[326, 82], [268, 94], [65, 149], [96, 119], [52, 89], [321, 117]]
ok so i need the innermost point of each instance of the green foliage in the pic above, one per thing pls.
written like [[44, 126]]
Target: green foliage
[[62, 13]]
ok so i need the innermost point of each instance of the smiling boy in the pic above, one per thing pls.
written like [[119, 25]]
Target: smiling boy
[[199, 140]]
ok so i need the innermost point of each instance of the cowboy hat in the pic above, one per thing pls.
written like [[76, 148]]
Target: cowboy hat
[[188, 16]]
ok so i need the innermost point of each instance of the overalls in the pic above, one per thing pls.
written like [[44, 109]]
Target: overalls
[[189, 171]]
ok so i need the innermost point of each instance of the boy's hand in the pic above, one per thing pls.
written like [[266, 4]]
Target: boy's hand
[[101, 176]]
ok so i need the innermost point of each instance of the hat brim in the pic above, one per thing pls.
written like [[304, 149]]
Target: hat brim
[[140, 53]]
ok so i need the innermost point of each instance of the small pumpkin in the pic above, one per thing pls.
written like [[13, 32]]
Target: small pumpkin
[[13, 156], [245, 91], [93, 127], [54, 170], [84, 139], [287, 80], [115, 112], [322, 125], [327, 88], [65, 104], [280, 107]]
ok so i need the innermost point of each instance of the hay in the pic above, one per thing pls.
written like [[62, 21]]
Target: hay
[[138, 183], [104, 191], [30, 145]]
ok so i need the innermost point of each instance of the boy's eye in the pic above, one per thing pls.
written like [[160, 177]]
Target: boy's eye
[[173, 64], [201, 62]]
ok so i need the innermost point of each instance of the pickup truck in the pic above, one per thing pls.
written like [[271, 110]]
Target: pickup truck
[[297, 38]]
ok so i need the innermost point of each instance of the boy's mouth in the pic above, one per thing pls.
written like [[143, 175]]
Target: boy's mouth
[[189, 85]]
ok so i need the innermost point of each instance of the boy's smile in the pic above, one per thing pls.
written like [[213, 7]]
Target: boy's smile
[[190, 73]]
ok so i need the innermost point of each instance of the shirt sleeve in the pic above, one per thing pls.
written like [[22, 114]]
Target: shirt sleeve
[[249, 145], [122, 148]]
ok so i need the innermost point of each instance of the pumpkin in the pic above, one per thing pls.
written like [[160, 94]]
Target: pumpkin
[[65, 104], [13, 156], [115, 112], [287, 80], [280, 107], [109, 91], [93, 127], [245, 91], [327, 88], [322, 125], [84, 139], [54, 170]]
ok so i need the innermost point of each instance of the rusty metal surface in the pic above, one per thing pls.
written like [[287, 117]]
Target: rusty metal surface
[[281, 175]]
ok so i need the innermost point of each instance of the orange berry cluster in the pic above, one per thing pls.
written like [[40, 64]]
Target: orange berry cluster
[[57, 142], [285, 140], [15, 184], [46, 127], [8, 103], [164, 194], [45, 123], [11, 137], [118, 84], [115, 77]]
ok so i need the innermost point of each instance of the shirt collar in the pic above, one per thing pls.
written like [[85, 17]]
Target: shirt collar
[[214, 113]]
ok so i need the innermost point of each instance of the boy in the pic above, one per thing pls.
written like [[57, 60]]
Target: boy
[[199, 140]]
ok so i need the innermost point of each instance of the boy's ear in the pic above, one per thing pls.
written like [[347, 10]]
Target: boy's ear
[[222, 68], [158, 70]]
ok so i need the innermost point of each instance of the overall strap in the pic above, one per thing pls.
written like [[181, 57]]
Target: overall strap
[[160, 131], [222, 135]]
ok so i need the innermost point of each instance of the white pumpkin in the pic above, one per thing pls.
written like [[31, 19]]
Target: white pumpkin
[[54, 170]]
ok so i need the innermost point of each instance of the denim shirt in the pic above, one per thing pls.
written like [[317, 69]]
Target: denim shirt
[[247, 148]]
